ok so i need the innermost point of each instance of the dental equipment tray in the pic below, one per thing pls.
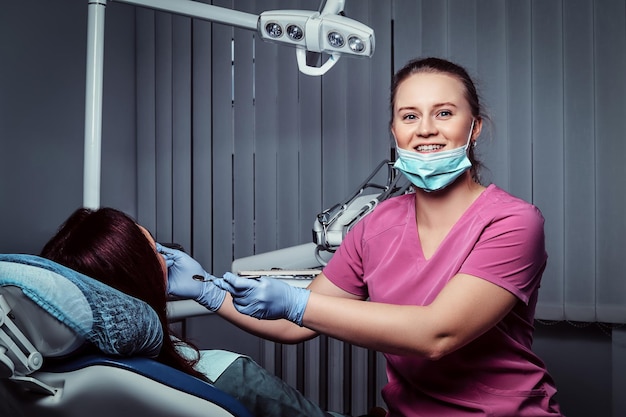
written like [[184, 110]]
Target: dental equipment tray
[[281, 273]]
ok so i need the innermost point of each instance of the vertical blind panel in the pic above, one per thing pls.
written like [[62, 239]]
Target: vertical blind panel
[[434, 25], [579, 154], [146, 124], [357, 371], [610, 59], [335, 381], [223, 147], [311, 369], [181, 131], [289, 357], [334, 135], [461, 31], [118, 187], [379, 79], [164, 104], [517, 131], [491, 77], [202, 139], [287, 218], [360, 136], [406, 43], [309, 138], [547, 128], [243, 139], [267, 116]]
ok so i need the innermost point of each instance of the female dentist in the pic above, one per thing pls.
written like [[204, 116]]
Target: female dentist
[[442, 281]]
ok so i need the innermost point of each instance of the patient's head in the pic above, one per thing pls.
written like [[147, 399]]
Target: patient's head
[[108, 245]]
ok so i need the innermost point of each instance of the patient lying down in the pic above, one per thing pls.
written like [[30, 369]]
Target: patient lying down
[[108, 245]]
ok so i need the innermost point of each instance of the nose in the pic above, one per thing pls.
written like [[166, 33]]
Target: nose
[[427, 127]]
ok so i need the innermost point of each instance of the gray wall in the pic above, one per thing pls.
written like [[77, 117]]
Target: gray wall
[[42, 111], [42, 45]]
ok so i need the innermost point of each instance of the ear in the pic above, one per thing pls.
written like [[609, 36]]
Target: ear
[[478, 127]]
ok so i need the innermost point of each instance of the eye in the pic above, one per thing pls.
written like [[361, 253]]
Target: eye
[[409, 116], [445, 113]]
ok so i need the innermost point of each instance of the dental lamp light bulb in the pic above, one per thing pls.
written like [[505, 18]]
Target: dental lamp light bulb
[[274, 30], [356, 44], [335, 40], [295, 32]]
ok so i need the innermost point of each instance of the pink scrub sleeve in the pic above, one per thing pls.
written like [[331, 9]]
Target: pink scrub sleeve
[[350, 269], [511, 251]]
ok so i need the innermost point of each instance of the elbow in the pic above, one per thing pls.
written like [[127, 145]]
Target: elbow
[[435, 354], [439, 348], [292, 335]]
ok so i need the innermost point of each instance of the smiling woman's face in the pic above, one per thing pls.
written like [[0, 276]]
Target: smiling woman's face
[[157, 254], [431, 113]]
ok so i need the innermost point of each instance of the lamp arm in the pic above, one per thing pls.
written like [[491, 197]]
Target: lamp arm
[[333, 7], [201, 11]]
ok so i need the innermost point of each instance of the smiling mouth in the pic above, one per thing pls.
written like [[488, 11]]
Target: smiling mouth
[[428, 148]]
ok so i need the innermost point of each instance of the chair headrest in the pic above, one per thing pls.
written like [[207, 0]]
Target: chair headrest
[[115, 322]]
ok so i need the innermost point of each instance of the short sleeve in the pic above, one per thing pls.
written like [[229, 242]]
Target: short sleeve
[[511, 251], [345, 268]]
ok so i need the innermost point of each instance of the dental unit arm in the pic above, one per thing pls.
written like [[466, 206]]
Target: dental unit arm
[[329, 229], [332, 225]]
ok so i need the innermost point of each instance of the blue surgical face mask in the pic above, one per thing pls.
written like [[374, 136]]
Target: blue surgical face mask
[[434, 171]]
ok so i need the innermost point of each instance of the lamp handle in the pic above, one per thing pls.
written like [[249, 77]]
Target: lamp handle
[[311, 70]]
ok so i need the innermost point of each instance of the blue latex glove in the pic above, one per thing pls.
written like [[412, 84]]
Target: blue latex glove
[[265, 297], [180, 283]]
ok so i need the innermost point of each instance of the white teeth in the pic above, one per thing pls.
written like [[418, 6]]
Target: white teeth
[[428, 148]]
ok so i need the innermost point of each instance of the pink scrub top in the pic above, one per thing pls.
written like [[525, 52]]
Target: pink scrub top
[[500, 239]]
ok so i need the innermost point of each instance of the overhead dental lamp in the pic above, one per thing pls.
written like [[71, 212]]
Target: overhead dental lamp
[[327, 32], [314, 34]]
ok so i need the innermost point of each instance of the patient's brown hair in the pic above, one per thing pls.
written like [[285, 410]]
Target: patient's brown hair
[[106, 244]]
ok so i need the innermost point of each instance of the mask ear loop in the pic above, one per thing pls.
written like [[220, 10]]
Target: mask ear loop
[[469, 137]]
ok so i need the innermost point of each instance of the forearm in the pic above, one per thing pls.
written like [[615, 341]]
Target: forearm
[[382, 327], [466, 308], [282, 331]]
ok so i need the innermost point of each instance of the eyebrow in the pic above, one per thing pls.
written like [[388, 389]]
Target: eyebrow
[[446, 104], [436, 106]]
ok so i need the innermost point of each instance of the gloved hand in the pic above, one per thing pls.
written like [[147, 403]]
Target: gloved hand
[[180, 282], [265, 297]]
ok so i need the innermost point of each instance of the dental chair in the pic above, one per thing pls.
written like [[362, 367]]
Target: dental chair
[[49, 314]]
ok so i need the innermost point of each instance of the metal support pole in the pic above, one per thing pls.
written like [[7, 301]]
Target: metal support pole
[[93, 103]]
